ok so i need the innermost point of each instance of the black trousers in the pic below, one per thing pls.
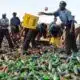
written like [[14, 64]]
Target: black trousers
[[15, 33], [30, 36], [5, 32], [70, 41]]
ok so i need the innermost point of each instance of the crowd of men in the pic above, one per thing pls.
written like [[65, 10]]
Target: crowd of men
[[68, 23], [4, 31], [17, 31], [41, 30]]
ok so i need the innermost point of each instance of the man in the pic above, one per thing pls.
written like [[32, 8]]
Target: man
[[30, 36], [42, 30], [56, 32], [54, 29], [15, 23], [67, 20], [51, 25], [4, 23]]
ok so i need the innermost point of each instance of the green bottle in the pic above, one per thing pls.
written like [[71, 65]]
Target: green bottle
[[75, 70], [56, 76], [50, 65]]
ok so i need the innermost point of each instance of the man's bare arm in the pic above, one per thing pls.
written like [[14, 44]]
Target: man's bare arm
[[43, 13]]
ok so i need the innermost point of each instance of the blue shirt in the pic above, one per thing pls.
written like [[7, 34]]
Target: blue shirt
[[15, 21], [65, 15]]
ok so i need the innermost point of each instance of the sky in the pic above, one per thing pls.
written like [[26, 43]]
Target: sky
[[35, 6]]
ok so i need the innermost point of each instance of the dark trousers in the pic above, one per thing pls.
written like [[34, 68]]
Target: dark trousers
[[30, 36], [5, 32], [25, 34], [70, 41], [15, 34]]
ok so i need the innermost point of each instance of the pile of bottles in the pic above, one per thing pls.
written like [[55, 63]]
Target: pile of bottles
[[48, 66]]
